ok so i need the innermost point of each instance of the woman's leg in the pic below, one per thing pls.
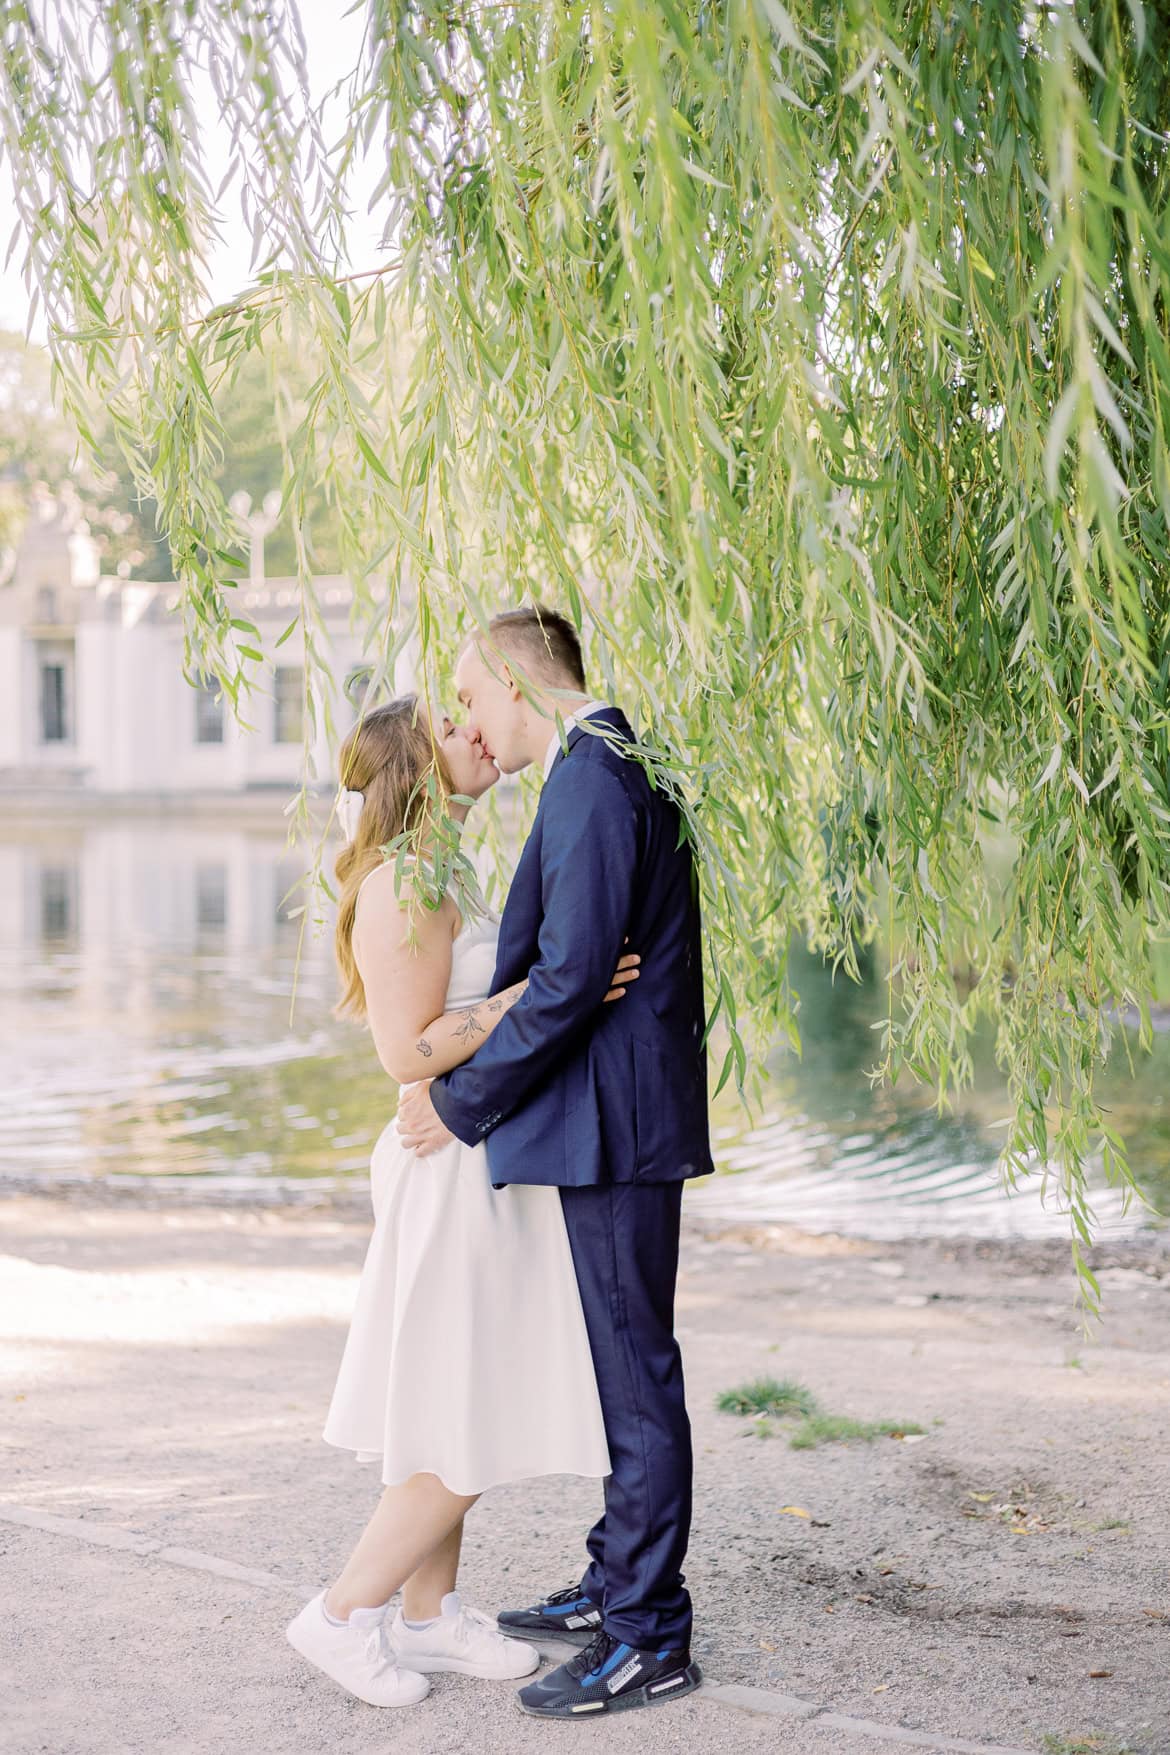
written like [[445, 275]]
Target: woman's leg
[[409, 1523], [424, 1590]]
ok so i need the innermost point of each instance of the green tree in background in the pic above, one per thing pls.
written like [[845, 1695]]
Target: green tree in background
[[813, 356], [38, 444], [267, 394], [38, 448]]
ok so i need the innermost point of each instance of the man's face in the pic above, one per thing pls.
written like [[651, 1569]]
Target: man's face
[[495, 711]]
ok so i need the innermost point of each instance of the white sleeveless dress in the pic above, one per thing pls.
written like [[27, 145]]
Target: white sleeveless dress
[[467, 1354]]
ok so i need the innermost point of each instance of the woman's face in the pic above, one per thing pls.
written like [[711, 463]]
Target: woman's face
[[472, 771]]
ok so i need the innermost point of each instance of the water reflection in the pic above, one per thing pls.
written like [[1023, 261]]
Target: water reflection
[[833, 1153], [210, 897], [149, 966], [58, 896]]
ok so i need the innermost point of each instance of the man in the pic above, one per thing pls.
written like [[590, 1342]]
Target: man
[[608, 1103]]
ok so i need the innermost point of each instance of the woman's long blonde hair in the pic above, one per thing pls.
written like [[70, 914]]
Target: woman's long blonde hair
[[384, 757]]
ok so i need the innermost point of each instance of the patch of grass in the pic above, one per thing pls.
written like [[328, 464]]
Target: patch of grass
[[833, 1428], [1092, 1743], [767, 1396], [1113, 1523]]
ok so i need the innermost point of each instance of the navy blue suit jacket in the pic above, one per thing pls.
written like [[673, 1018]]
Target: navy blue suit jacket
[[567, 1090]]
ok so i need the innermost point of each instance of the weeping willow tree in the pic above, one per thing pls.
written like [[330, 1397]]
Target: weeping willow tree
[[813, 357]]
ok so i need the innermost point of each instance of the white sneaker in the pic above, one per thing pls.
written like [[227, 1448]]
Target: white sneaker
[[462, 1640], [357, 1655]]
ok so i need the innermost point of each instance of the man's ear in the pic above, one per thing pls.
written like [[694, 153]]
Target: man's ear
[[510, 683]]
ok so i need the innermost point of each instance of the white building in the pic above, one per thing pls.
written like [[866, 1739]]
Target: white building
[[92, 694]]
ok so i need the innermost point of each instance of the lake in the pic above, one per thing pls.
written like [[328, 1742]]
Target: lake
[[148, 963]]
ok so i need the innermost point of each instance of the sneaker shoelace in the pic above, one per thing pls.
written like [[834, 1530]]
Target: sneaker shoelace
[[565, 1596], [378, 1650], [592, 1656], [471, 1624]]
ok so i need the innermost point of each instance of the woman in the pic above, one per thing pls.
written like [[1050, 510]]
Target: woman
[[467, 1298]]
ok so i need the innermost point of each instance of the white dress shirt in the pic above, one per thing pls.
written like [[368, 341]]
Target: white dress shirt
[[582, 712]]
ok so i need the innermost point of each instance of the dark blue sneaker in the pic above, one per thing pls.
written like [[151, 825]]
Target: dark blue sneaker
[[609, 1676], [566, 1615]]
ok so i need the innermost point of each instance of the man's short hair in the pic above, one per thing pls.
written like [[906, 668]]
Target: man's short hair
[[544, 644]]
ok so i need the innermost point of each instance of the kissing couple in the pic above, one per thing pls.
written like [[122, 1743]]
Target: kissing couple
[[515, 1311]]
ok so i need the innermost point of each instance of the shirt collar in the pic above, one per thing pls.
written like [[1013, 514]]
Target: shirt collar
[[554, 744]]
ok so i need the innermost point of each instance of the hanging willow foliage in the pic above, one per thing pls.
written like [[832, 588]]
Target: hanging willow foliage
[[813, 356]]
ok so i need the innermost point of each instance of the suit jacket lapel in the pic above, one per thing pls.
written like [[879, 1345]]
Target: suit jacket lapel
[[521, 928]]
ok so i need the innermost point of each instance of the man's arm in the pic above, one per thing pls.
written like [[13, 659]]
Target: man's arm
[[588, 867]]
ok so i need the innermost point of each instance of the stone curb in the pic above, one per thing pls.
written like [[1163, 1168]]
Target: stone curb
[[735, 1696]]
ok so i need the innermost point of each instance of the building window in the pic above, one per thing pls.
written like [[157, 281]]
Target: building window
[[46, 604], [208, 714], [289, 698], [210, 897], [54, 704]]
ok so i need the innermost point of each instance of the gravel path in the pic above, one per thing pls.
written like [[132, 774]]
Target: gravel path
[[164, 1373]]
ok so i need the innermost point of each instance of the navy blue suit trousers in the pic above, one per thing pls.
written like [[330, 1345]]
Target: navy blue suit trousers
[[624, 1239]]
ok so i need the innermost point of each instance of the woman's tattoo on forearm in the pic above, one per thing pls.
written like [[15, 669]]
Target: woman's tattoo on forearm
[[424, 1048], [470, 1025], [495, 1005]]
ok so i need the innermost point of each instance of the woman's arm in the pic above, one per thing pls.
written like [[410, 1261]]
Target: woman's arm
[[454, 1037], [457, 1035], [405, 986]]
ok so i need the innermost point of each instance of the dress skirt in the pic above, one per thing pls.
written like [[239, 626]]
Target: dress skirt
[[467, 1355]]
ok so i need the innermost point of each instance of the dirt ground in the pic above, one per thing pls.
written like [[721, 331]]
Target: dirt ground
[[166, 1500]]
